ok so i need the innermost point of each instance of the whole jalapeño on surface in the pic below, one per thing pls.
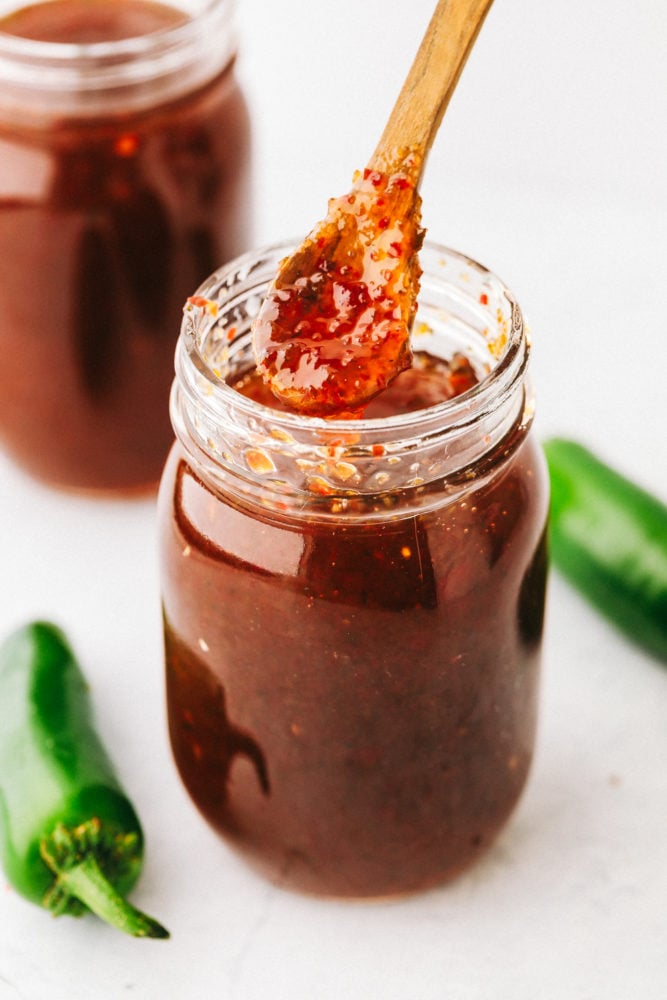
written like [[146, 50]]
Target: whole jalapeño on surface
[[609, 539], [70, 839]]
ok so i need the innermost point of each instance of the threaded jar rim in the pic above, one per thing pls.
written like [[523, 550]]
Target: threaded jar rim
[[447, 443]]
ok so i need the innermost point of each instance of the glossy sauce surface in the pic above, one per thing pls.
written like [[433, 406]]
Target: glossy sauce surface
[[428, 381], [353, 704], [107, 223]]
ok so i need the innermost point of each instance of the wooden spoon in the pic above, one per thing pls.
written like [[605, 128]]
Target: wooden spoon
[[334, 328]]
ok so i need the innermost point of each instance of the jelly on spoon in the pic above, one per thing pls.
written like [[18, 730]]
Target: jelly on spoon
[[334, 328]]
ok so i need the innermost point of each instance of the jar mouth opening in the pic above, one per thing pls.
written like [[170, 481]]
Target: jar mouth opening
[[324, 466], [508, 349], [103, 51], [90, 72]]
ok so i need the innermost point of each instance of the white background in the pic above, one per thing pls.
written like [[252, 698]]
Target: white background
[[550, 168]]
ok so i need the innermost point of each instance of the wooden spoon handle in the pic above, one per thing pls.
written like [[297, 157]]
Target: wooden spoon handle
[[432, 79]]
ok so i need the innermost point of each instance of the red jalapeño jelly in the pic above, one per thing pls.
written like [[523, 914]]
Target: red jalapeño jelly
[[353, 608], [124, 175]]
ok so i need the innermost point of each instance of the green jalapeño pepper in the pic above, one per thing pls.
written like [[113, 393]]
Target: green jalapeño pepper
[[609, 538], [69, 837]]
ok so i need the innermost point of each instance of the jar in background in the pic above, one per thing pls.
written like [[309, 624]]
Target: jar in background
[[353, 609], [124, 181]]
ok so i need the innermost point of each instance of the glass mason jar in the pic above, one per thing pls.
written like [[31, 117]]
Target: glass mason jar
[[353, 609], [124, 182]]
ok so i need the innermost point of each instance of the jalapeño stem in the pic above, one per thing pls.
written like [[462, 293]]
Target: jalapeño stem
[[75, 858]]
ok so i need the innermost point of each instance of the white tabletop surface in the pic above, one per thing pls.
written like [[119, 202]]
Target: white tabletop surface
[[551, 168]]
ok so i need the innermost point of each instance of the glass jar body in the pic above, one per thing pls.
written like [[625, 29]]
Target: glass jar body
[[352, 685], [119, 192]]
